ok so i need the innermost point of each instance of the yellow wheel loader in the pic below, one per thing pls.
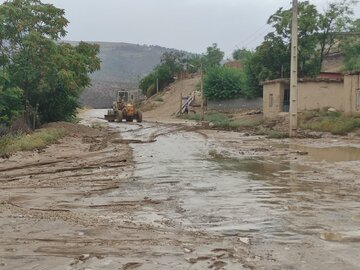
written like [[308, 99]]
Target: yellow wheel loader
[[124, 109]]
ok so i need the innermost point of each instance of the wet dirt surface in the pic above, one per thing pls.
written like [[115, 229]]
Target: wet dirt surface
[[286, 207], [182, 198]]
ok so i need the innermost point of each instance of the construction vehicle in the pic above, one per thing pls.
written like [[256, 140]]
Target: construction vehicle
[[124, 108]]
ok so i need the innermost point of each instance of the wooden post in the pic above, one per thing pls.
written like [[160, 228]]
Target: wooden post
[[202, 93], [180, 111]]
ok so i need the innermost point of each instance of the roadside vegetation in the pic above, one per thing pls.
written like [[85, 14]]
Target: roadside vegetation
[[318, 38], [40, 76], [333, 122], [159, 99], [174, 63], [10, 144]]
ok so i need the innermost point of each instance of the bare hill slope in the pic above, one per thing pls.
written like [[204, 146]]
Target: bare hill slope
[[122, 66]]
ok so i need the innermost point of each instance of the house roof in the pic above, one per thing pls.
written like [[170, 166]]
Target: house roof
[[354, 72]]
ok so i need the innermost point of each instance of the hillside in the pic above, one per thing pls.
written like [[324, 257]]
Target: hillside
[[122, 66]]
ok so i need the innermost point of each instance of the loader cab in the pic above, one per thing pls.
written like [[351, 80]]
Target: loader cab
[[123, 96]]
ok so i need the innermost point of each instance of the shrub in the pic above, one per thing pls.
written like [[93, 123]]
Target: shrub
[[159, 99], [10, 104], [223, 83]]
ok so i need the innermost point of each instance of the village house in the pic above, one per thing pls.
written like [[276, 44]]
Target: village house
[[335, 90]]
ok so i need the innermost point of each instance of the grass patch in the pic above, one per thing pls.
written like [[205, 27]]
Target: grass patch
[[333, 122], [10, 144]]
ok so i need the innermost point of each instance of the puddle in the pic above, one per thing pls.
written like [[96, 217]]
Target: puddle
[[234, 197], [258, 167], [329, 154]]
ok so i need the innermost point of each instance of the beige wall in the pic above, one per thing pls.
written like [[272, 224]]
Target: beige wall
[[317, 95], [314, 95], [352, 89], [276, 91]]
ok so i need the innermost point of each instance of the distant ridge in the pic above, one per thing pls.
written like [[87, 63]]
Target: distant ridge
[[122, 66]]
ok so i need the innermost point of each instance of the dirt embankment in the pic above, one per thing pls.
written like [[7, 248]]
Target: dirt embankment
[[169, 103]]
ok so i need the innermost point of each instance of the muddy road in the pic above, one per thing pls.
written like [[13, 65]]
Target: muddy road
[[173, 196]]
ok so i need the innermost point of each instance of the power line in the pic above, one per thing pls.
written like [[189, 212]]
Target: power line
[[260, 31]]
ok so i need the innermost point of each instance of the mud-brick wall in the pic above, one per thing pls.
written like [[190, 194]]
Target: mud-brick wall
[[352, 94], [314, 95], [236, 104]]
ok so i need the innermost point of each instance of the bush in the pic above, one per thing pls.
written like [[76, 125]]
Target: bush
[[333, 122], [10, 104], [223, 83], [159, 99]]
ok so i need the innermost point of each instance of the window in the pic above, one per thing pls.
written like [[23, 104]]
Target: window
[[271, 100], [358, 98]]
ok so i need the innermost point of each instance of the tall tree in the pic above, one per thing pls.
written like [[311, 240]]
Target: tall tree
[[241, 54], [351, 48], [317, 33], [213, 56], [171, 63], [51, 74]]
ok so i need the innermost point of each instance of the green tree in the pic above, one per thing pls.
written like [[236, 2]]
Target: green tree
[[171, 63], [213, 56], [317, 33], [51, 74], [241, 54], [223, 83], [174, 61], [351, 48], [11, 100], [193, 63]]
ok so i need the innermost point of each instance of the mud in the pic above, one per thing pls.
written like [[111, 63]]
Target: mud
[[172, 196]]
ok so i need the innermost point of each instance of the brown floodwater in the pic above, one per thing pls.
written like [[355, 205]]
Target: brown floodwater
[[329, 154]]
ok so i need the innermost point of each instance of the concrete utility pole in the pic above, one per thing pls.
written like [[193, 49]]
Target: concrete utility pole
[[294, 72]]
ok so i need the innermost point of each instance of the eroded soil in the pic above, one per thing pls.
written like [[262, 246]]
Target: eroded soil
[[174, 196]]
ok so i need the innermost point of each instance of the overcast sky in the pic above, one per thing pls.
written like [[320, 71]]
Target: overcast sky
[[190, 25]]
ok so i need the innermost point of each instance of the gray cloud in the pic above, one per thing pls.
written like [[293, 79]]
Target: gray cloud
[[190, 25]]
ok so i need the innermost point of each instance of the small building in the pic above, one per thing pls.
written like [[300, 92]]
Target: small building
[[339, 91]]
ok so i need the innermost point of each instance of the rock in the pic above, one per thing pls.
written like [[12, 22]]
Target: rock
[[332, 110], [187, 250], [192, 260], [245, 240], [84, 257]]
